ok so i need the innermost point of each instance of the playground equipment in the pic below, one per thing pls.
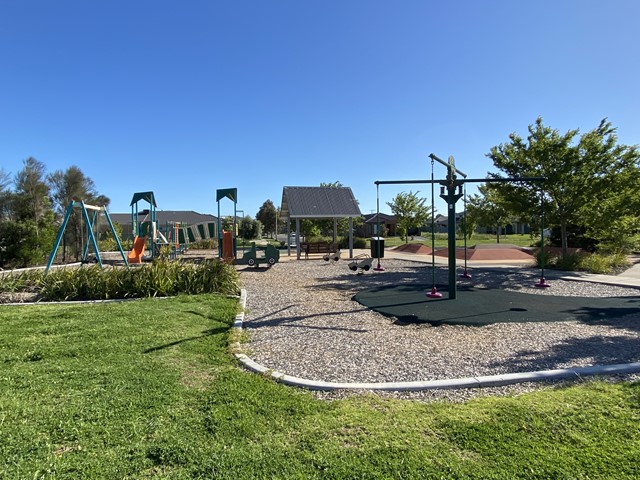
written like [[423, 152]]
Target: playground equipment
[[335, 256], [453, 187], [362, 262], [227, 243], [145, 230], [254, 256], [90, 223]]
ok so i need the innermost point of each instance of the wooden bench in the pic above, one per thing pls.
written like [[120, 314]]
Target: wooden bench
[[317, 247]]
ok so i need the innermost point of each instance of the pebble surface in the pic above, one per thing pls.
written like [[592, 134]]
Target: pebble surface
[[302, 321]]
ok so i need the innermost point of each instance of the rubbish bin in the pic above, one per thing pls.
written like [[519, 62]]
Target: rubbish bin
[[377, 247]]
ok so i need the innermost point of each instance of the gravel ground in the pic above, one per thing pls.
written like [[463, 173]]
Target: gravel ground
[[302, 322]]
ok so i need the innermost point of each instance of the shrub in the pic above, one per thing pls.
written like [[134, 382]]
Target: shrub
[[157, 279], [358, 242], [597, 263], [27, 281]]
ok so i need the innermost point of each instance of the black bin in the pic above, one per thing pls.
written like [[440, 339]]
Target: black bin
[[377, 247]]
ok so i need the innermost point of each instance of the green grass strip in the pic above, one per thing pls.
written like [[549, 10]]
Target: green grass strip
[[148, 389]]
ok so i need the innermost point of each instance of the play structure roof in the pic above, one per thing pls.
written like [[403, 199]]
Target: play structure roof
[[319, 202], [146, 196]]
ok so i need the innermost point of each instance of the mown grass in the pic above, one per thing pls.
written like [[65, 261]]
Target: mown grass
[[147, 389], [441, 240]]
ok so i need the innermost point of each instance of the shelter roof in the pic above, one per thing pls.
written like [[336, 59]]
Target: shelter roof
[[318, 202]]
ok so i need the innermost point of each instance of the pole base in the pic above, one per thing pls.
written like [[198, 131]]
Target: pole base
[[379, 268], [542, 283], [465, 274], [433, 293]]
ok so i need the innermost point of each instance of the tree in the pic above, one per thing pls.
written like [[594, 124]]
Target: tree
[[28, 234], [32, 192], [614, 219], [410, 212], [595, 174], [5, 195], [249, 229], [487, 210], [267, 216]]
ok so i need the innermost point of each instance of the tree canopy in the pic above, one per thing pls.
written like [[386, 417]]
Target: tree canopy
[[589, 182], [267, 215], [410, 212]]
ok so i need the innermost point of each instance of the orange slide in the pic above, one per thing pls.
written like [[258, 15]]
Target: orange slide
[[136, 253]]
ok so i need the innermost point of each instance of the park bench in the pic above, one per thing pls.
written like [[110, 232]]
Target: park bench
[[317, 247]]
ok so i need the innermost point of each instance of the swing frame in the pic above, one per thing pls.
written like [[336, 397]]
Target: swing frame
[[453, 187]]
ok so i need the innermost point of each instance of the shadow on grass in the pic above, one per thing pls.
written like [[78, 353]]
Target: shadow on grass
[[206, 333]]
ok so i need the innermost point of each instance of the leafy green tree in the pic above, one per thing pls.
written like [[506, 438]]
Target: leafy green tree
[[580, 177], [32, 192], [5, 195], [27, 225], [410, 212], [487, 210], [613, 219], [267, 216], [250, 229]]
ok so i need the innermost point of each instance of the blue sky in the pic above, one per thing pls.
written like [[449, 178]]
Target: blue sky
[[184, 98]]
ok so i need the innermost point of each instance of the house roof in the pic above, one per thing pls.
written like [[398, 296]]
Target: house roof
[[372, 218], [318, 202], [188, 217]]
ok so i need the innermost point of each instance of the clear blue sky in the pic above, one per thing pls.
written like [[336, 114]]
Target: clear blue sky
[[184, 98]]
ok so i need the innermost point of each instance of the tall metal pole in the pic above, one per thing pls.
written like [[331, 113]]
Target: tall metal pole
[[379, 267], [465, 274], [434, 291], [542, 283]]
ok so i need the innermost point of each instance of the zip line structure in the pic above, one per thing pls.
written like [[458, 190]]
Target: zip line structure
[[451, 190]]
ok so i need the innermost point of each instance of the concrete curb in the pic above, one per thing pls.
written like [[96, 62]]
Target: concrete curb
[[448, 384]]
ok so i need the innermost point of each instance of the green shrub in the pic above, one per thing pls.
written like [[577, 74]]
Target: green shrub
[[157, 279], [597, 263], [26, 281], [604, 264], [358, 242]]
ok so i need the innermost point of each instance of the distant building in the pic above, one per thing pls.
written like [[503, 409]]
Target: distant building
[[388, 225]]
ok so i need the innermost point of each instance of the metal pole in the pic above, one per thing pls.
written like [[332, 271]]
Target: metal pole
[[379, 267], [542, 283], [465, 274], [434, 291]]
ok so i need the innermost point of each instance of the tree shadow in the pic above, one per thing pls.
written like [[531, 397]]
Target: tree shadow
[[594, 350], [272, 319], [206, 333]]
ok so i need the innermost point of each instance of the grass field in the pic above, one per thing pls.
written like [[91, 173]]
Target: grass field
[[478, 238], [148, 389]]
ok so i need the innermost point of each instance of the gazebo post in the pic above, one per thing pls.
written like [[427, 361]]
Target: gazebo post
[[350, 237], [298, 238]]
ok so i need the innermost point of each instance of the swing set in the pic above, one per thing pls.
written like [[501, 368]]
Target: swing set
[[90, 223], [451, 190]]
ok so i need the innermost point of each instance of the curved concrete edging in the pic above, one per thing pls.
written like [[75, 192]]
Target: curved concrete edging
[[469, 382]]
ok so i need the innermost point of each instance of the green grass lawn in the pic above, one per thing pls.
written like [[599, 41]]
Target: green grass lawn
[[147, 389], [478, 238]]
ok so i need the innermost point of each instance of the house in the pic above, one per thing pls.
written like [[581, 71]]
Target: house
[[388, 225]]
